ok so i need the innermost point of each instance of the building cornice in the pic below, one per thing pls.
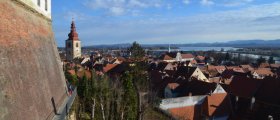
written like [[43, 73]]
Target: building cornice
[[32, 10]]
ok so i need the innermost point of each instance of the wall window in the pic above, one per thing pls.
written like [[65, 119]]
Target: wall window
[[39, 2], [46, 5], [69, 44], [77, 44]]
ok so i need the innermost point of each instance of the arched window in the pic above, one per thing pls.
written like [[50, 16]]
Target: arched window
[[46, 5], [77, 44], [39, 2]]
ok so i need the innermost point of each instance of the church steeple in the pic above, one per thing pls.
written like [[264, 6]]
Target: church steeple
[[169, 50], [73, 35], [73, 44]]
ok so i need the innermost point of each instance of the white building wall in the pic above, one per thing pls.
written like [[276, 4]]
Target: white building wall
[[169, 61], [76, 49], [199, 75], [181, 102], [41, 9]]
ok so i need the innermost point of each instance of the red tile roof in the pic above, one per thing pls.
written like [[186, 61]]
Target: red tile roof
[[72, 72], [200, 57], [264, 65], [246, 66], [215, 79], [218, 68], [167, 57], [186, 113], [193, 61], [109, 67], [269, 91], [243, 86], [275, 65], [186, 56], [264, 71], [216, 105], [240, 70], [121, 58], [227, 74], [232, 67], [73, 35]]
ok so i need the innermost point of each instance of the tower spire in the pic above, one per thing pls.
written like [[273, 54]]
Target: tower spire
[[73, 35], [169, 50]]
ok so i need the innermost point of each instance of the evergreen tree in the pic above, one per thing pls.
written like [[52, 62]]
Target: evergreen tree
[[261, 60], [129, 97], [137, 52], [227, 56], [74, 80], [271, 60], [82, 87]]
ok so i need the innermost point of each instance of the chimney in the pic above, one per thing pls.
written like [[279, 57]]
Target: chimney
[[270, 117], [236, 102], [252, 103], [190, 94]]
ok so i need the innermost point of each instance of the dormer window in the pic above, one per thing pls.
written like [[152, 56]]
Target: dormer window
[[46, 5], [39, 2]]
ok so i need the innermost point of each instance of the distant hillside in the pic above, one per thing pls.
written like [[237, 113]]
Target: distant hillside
[[238, 43], [255, 42], [235, 43]]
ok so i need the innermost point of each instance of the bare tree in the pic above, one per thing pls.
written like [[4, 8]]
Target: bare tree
[[93, 109]]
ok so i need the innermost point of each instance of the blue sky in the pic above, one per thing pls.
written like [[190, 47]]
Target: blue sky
[[166, 21]]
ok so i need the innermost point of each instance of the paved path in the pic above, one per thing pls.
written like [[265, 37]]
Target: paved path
[[62, 111]]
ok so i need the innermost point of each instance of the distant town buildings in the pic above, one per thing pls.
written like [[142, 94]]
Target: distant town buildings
[[73, 44], [191, 87]]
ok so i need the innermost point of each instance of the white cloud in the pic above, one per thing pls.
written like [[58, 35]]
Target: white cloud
[[206, 2], [186, 2], [227, 3], [121, 7], [233, 3], [117, 10], [137, 3]]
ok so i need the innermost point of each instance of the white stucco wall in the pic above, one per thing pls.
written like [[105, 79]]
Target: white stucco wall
[[77, 50], [200, 76], [181, 102], [41, 9]]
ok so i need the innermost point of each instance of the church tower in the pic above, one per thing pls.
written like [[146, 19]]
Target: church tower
[[73, 44]]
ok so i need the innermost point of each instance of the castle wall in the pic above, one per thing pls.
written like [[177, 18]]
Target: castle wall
[[30, 70]]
